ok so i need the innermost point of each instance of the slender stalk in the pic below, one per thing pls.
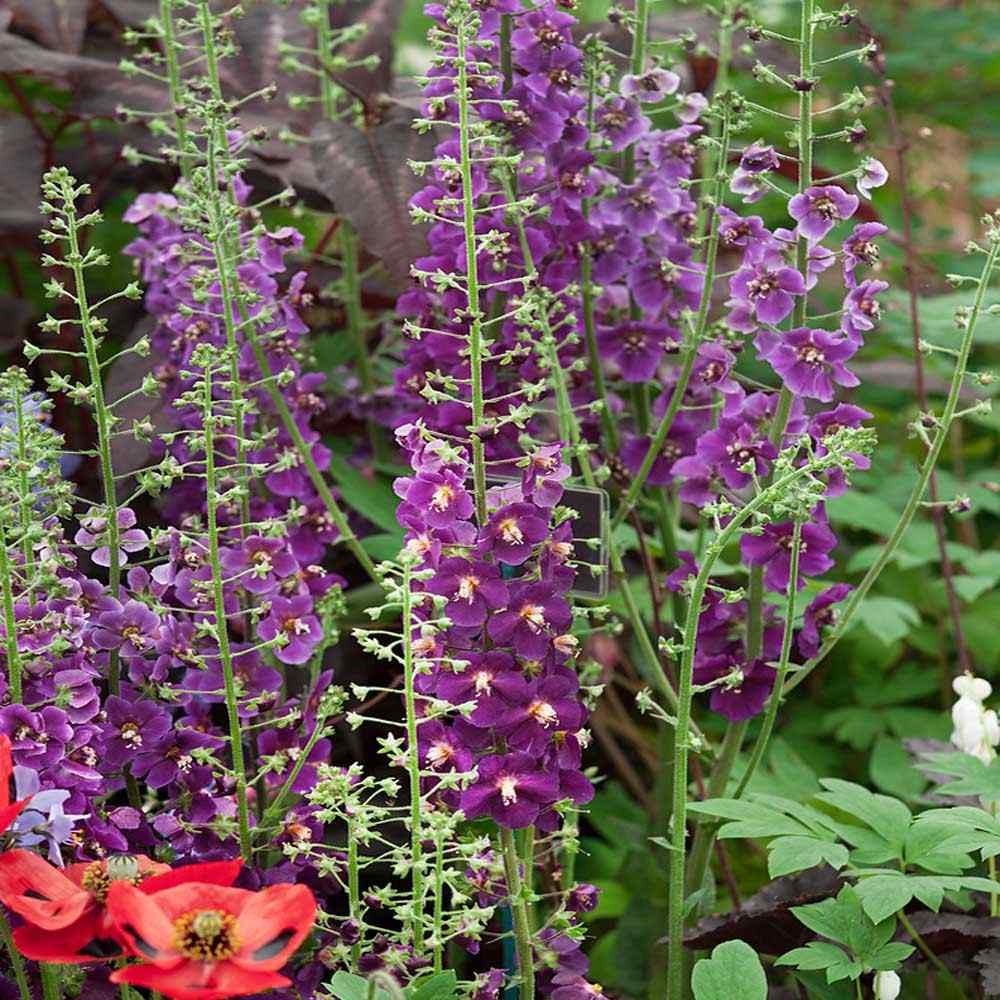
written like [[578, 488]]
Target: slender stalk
[[923, 477], [353, 885], [170, 51], [774, 702], [27, 497], [927, 952], [10, 623], [519, 910], [16, 960], [637, 63], [438, 901], [221, 627], [675, 944], [413, 763], [74, 261], [473, 310], [51, 990]]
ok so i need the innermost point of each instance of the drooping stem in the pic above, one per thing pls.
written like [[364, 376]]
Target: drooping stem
[[221, 626], [413, 763], [923, 477], [16, 961], [519, 911]]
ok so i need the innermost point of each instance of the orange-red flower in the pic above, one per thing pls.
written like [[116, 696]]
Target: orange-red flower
[[9, 811], [65, 909], [209, 942]]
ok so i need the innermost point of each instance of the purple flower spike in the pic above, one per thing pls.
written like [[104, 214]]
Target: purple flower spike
[[441, 497], [811, 361], [510, 789], [651, 87], [818, 209]]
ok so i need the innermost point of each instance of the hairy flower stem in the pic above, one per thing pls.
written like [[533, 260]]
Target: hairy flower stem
[[675, 928], [473, 310], [10, 623], [27, 496], [51, 988], [721, 85], [774, 703], [438, 901], [413, 763], [637, 63], [170, 51], [690, 352], [16, 960], [353, 885], [102, 417], [519, 910], [221, 627], [944, 423]]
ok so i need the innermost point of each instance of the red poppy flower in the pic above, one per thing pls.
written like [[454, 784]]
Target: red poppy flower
[[9, 811], [208, 942], [67, 919]]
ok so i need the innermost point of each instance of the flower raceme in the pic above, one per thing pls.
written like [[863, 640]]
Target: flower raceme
[[65, 910], [198, 941]]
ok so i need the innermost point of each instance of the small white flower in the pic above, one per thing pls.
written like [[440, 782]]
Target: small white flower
[[974, 688], [887, 985], [976, 729]]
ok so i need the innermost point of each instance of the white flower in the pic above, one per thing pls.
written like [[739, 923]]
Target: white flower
[[976, 729], [887, 985]]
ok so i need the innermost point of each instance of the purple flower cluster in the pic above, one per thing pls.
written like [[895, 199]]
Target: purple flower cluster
[[504, 656], [636, 226]]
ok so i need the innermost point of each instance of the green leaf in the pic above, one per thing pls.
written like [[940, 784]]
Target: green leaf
[[372, 498], [347, 986], [786, 855], [891, 768], [821, 955], [441, 986], [974, 777], [886, 892], [733, 970], [888, 619], [383, 546], [888, 817], [867, 511]]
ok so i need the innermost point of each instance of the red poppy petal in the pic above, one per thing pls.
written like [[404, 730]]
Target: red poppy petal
[[41, 894], [272, 926], [6, 770], [146, 929], [181, 899], [188, 982], [9, 813], [212, 872], [78, 943]]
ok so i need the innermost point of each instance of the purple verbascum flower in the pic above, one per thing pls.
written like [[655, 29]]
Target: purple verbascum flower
[[510, 789], [94, 535], [259, 564], [293, 618], [132, 629], [861, 311], [860, 248], [636, 347], [474, 590], [650, 87], [43, 820], [819, 615], [621, 122], [756, 161], [439, 497], [772, 550], [818, 209], [873, 175], [535, 616], [764, 290], [512, 533], [811, 361]]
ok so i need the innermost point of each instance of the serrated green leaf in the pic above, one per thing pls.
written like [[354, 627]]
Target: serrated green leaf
[[733, 970], [786, 855]]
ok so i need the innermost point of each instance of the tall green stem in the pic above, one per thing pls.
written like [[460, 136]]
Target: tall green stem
[[473, 310], [221, 626], [10, 622], [675, 945], [170, 51], [774, 703], [16, 960], [413, 764], [519, 910]]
